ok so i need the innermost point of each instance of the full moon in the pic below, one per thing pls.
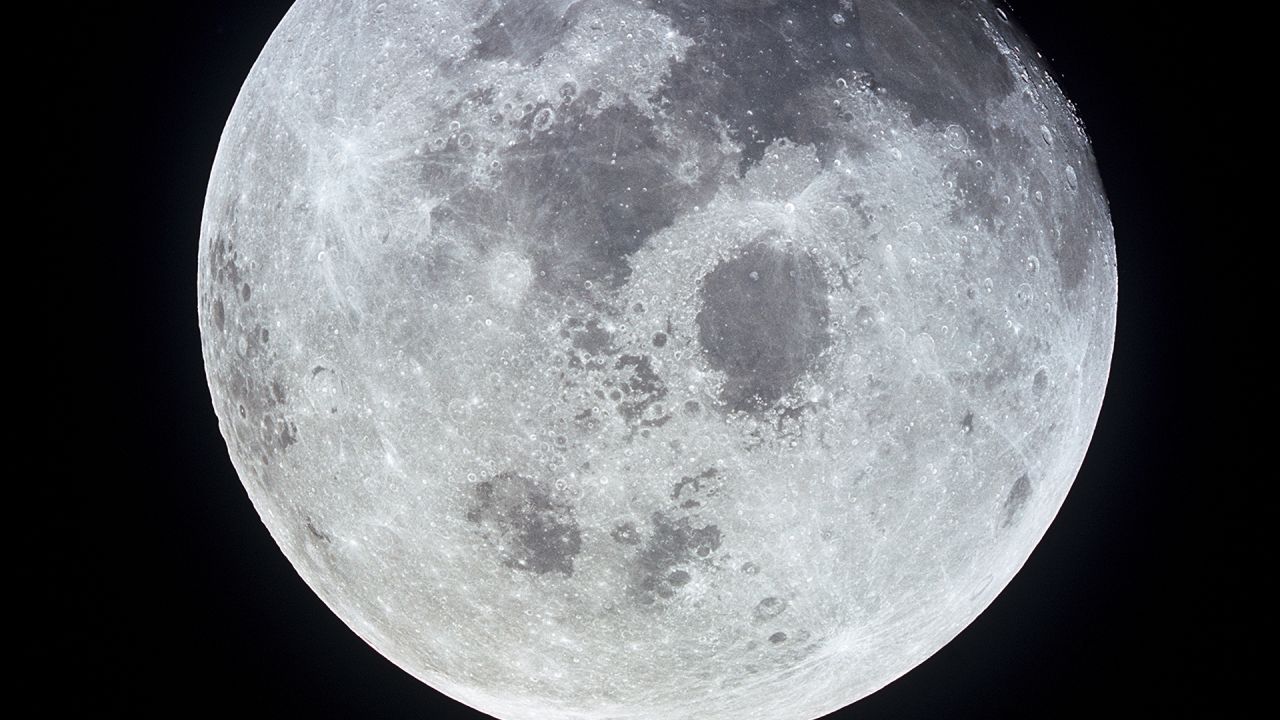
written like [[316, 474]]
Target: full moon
[[655, 359]]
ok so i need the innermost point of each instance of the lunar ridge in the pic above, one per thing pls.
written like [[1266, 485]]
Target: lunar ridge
[[643, 359]]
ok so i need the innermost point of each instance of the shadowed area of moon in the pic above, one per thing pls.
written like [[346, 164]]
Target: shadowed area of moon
[[655, 359]]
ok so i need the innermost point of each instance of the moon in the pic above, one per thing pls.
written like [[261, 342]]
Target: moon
[[644, 359]]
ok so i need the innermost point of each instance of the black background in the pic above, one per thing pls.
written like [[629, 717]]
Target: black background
[[168, 596]]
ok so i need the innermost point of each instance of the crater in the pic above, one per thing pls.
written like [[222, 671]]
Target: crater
[[532, 530], [763, 322], [1017, 499], [625, 533], [1040, 382], [769, 608], [316, 533]]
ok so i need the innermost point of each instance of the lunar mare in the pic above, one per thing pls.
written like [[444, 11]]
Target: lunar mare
[[655, 359]]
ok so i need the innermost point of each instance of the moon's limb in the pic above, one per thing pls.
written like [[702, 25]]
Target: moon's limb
[[655, 359]]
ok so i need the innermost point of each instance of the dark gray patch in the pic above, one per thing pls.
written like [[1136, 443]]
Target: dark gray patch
[[640, 391], [693, 490], [750, 65], [254, 408], [521, 31], [1070, 251], [224, 258], [673, 542], [272, 431], [864, 317], [936, 58], [589, 336], [679, 578], [754, 61], [1040, 382], [1018, 496], [660, 340], [778, 638], [770, 608], [974, 188], [322, 375], [1004, 365], [316, 533], [750, 568], [790, 417], [1071, 227], [537, 532], [277, 391], [966, 422], [587, 420], [593, 189], [589, 185], [1009, 147], [652, 423], [746, 4], [445, 170], [281, 434], [763, 323]]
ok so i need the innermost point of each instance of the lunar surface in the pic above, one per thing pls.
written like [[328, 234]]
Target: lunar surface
[[655, 359]]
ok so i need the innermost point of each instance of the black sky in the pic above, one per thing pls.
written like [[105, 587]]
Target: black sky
[[165, 594]]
